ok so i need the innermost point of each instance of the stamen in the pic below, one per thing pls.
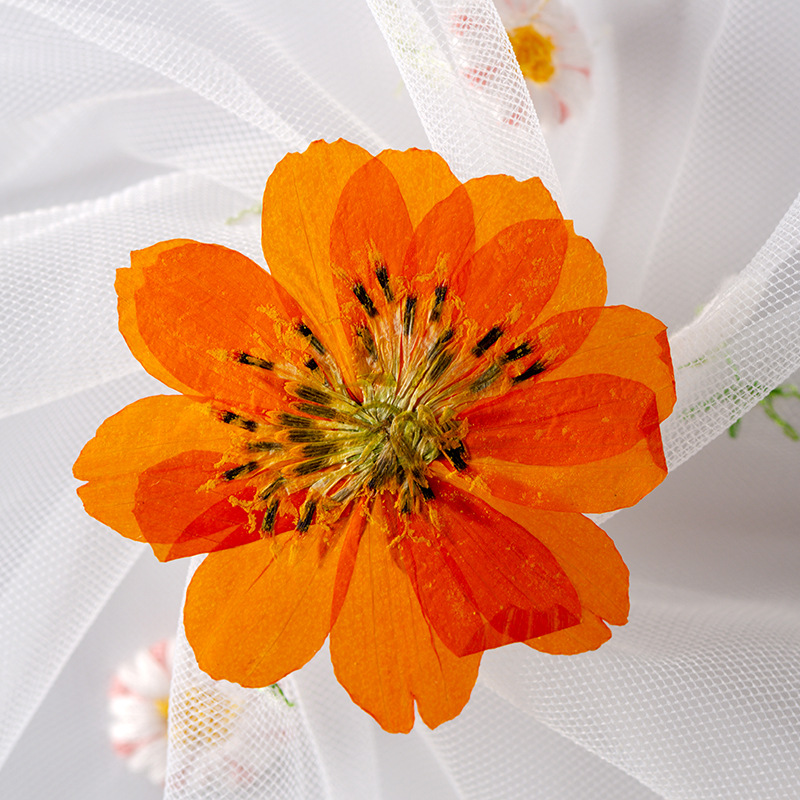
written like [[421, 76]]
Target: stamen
[[485, 379], [268, 523], [304, 330], [426, 492], [230, 418], [440, 293], [323, 412], [440, 366], [263, 447], [345, 493], [366, 301], [310, 467], [306, 435], [443, 339], [408, 315], [265, 494], [311, 364], [382, 274], [533, 369], [457, 457], [520, 351], [312, 395], [254, 361], [293, 421], [321, 449], [306, 516], [242, 469], [365, 335], [487, 340]]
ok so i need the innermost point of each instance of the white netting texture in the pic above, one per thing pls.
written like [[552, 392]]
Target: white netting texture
[[123, 122]]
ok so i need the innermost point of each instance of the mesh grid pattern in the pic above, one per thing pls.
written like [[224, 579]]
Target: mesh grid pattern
[[468, 91], [130, 121], [226, 741]]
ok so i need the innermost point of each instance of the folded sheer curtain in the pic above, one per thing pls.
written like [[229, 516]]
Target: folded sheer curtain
[[130, 121]]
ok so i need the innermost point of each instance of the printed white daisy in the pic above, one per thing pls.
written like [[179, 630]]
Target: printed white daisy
[[139, 703], [553, 54]]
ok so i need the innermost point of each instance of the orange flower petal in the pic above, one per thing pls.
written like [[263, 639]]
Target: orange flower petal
[[612, 483], [257, 613], [582, 283], [510, 279], [586, 554], [423, 177], [442, 243], [369, 239], [630, 344], [571, 421], [182, 511], [384, 651], [482, 579], [189, 311], [587, 444], [590, 560], [588, 635], [299, 208], [500, 201], [144, 433]]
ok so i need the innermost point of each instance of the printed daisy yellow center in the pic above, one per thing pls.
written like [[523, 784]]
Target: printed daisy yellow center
[[534, 52]]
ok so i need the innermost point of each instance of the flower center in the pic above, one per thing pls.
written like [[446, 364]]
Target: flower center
[[162, 706], [534, 52], [418, 366]]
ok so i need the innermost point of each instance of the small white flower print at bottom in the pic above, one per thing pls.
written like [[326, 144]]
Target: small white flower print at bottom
[[139, 707]]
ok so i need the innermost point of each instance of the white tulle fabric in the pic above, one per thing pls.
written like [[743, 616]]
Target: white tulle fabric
[[124, 122]]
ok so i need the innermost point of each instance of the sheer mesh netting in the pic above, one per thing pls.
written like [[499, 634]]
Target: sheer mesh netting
[[125, 122]]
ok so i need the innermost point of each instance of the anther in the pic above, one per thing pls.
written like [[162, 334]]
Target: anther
[[263, 447], [306, 435], [533, 369], [312, 395], [304, 330], [457, 457], [366, 301], [268, 523], [254, 361], [365, 335], [311, 364], [306, 516], [485, 379], [309, 467], [440, 292], [440, 366], [427, 492], [230, 418], [320, 449], [443, 339], [408, 315], [487, 340], [293, 421], [520, 351], [322, 412], [273, 487], [242, 469], [382, 274]]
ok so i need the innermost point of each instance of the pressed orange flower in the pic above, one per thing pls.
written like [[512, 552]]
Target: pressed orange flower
[[390, 438]]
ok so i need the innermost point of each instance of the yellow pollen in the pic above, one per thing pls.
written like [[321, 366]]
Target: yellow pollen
[[534, 52], [162, 706]]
